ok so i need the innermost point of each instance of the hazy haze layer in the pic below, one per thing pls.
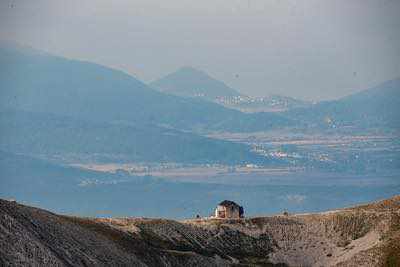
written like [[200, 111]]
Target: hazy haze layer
[[309, 49]]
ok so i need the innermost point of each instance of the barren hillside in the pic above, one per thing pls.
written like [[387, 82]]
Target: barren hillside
[[367, 235]]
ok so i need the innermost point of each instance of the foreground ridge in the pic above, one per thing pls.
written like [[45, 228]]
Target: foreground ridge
[[367, 235]]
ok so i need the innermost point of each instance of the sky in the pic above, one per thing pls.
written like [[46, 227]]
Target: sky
[[313, 50]]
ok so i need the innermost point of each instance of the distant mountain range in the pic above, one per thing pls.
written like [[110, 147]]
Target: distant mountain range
[[377, 107], [55, 106], [190, 82], [39, 82], [72, 139]]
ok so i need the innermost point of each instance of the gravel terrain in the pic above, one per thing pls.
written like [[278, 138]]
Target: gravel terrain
[[367, 235]]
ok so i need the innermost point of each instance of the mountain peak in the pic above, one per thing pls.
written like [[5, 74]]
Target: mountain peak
[[188, 81], [189, 72], [189, 69]]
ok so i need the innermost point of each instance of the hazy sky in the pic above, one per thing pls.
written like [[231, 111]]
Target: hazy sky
[[311, 49]]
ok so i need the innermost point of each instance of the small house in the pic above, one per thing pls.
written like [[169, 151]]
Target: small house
[[229, 210]]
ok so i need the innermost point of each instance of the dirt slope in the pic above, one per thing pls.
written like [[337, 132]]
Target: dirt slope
[[367, 235]]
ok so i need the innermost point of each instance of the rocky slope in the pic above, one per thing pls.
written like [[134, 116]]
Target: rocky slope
[[367, 235]]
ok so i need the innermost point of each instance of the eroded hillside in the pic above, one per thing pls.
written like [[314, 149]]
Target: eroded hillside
[[367, 235]]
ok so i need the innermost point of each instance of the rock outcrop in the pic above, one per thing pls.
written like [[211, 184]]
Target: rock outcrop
[[367, 235]]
